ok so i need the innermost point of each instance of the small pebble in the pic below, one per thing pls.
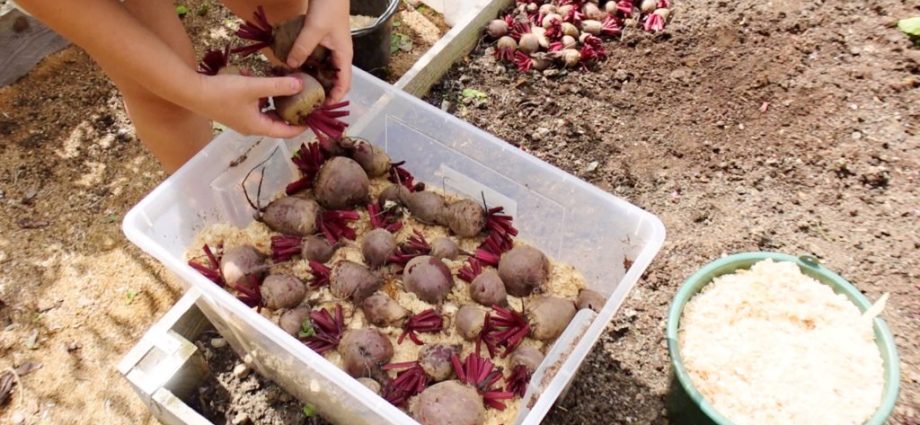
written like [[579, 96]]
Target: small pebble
[[856, 135], [240, 419], [218, 342], [241, 370], [592, 166]]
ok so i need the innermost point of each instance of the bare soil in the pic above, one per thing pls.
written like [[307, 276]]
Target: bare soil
[[748, 125]]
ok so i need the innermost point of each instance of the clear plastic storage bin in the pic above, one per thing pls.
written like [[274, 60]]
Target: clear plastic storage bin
[[566, 217]]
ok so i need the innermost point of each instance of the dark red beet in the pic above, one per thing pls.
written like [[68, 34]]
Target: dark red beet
[[282, 291], [428, 278], [372, 159], [487, 289], [341, 183], [469, 321], [381, 310], [445, 248], [448, 403], [524, 270], [350, 280], [435, 360], [292, 216], [590, 299], [426, 206], [239, 263], [465, 218], [292, 320], [378, 245], [548, 316], [364, 351]]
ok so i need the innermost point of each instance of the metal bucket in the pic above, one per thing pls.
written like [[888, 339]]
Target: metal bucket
[[372, 43]]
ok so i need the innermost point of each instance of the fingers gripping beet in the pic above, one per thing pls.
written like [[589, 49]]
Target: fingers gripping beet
[[548, 316], [364, 351], [590, 299], [469, 321], [435, 360], [428, 278], [292, 215], [378, 245], [350, 280], [341, 184], [524, 270], [292, 320], [444, 248], [381, 310], [488, 289], [448, 403], [282, 291], [240, 262], [465, 218]]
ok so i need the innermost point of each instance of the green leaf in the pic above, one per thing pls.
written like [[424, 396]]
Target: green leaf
[[306, 329], [400, 42], [203, 10], [473, 94], [309, 410], [131, 295], [181, 10], [910, 26]]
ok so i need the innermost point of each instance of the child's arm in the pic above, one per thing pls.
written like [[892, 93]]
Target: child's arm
[[327, 23], [117, 40]]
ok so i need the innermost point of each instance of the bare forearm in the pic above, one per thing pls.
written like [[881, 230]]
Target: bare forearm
[[117, 40]]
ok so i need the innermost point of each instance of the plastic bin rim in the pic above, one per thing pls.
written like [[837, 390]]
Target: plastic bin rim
[[733, 262]]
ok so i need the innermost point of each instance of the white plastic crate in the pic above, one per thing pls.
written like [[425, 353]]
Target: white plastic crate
[[567, 218]]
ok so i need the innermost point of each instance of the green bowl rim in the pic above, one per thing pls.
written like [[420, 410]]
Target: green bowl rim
[[892, 372]]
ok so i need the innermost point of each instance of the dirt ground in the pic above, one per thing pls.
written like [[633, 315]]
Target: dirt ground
[[749, 125]]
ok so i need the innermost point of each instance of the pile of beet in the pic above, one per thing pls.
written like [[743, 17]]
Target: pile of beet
[[538, 34], [352, 194]]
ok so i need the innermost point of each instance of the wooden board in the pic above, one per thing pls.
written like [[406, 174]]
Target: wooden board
[[24, 42], [429, 69]]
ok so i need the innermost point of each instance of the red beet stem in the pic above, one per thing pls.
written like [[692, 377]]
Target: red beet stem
[[213, 61], [625, 7], [481, 374], [325, 123], [506, 329], [400, 175], [285, 247], [523, 62], [653, 23], [211, 270], [469, 272], [427, 321], [334, 225], [518, 380], [320, 274], [611, 26], [415, 246], [383, 219], [327, 329], [249, 292], [308, 159], [258, 30], [407, 384]]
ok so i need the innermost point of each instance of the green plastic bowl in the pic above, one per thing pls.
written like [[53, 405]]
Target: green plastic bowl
[[685, 405]]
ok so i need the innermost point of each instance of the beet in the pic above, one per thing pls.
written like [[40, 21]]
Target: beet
[[524, 270], [435, 360], [240, 262], [528, 357], [548, 316], [428, 278], [284, 36], [372, 159], [427, 207], [444, 248], [378, 245], [282, 291], [292, 320], [292, 215], [340, 184], [364, 351], [381, 310], [350, 280], [294, 109], [448, 403], [394, 193], [487, 289], [469, 321], [465, 218], [317, 248], [590, 299], [371, 384]]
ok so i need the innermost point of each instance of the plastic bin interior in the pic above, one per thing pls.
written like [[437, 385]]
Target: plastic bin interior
[[568, 218]]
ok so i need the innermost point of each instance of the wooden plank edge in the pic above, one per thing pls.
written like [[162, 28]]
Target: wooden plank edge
[[459, 41]]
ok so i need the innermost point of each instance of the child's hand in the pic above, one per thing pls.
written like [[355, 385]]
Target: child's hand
[[327, 23], [233, 100]]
